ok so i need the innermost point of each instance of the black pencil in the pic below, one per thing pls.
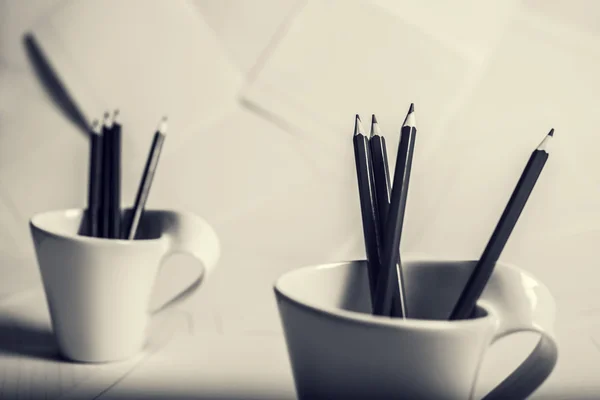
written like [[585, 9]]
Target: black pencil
[[390, 282], [106, 175], [381, 172], [114, 206], [95, 180], [465, 306], [362, 158], [146, 182], [381, 175]]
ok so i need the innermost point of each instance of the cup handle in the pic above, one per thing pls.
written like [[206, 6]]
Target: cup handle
[[533, 310], [187, 233]]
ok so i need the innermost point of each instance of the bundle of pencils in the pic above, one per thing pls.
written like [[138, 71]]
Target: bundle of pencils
[[104, 219], [383, 208]]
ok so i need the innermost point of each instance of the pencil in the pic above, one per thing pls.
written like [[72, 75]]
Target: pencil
[[95, 180], [146, 182], [114, 205], [390, 283], [465, 306], [381, 172], [106, 175], [381, 175], [368, 208]]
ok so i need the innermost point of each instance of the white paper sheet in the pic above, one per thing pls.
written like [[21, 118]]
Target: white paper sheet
[[240, 294], [43, 160], [30, 123], [9, 222], [579, 15], [340, 58], [19, 271], [212, 367], [535, 81], [224, 171], [170, 64], [471, 27], [333, 64], [15, 21], [247, 29]]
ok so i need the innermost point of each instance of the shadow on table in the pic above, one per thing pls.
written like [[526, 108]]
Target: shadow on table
[[21, 338]]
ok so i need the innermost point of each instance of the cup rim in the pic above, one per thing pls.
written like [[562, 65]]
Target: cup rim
[[382, 321], [34, 222]]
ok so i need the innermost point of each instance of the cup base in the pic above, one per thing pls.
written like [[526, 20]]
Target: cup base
[[97, 360]]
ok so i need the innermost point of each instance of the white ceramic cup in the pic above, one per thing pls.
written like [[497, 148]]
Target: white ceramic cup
[[98, 290], [338, 350]]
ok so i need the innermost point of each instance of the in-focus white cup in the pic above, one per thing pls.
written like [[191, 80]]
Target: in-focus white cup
[[98, 290], [338, 350]]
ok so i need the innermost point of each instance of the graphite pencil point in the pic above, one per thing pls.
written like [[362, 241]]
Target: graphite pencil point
[[96, 128], [375, 131], [162, 127], [358, 128], [410, 119]]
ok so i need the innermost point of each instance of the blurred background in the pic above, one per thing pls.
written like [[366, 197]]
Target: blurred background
[[261, 97]]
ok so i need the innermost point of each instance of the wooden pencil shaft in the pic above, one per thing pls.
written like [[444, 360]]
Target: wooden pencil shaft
[[114, 208], [515, 205], [398, 307], [383, 190], [374, 211], [94, 185], [409, 136], [386, 167], [368, 208], [483, 270], [145, 185], [381, 178], [106, 184], [389, 281], [392, 257]]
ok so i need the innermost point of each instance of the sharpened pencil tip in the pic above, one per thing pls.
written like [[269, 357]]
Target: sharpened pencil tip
[[96, 127], [410, 119], [162, 126], [545, 141], [116, 115], [108, 122], [358, 128], [375, 131]]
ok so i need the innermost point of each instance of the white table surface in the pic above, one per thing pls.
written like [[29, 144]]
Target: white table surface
[[220, 345]]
